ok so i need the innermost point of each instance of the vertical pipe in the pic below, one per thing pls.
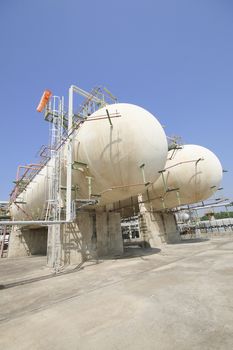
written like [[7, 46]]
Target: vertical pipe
[[178, 197], [143, 172], [3, 241], [89, 178], [164, 184], [61, 152], [163, 204], [69, 156]]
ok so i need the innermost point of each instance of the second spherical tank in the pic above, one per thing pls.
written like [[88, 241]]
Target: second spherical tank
[[192, 174]]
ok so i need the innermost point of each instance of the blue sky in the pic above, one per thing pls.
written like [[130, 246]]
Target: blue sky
[[174, 58]]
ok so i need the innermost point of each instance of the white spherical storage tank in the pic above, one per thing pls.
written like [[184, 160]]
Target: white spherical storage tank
[[119, 159], [192, 174]]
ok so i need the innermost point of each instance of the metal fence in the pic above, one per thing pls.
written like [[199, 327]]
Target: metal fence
[[207, 228]]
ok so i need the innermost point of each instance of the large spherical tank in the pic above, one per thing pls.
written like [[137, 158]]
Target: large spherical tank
[[115, 154], [182, 216], [192, 174], [116, 159]]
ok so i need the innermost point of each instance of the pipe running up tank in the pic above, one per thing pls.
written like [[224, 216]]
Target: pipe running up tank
[[192, 174], [111, 162]]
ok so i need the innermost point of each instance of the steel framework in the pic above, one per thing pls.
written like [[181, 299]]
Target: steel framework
[[62, 128]]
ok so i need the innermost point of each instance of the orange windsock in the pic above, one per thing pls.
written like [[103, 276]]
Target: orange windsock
[[44, 100]]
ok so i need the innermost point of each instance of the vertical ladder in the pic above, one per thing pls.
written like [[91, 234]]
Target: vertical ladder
[[53, 210]]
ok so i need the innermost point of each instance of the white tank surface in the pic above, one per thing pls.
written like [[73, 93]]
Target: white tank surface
[[118, 158], [182, 216], [192, 174]]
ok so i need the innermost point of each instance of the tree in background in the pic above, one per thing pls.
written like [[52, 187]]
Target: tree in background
[[220, 215]]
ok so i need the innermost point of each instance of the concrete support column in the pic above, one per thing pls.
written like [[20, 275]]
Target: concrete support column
[[115, 234], [17, 245], [171, 229], [79, 239], [157, 228], [109, 236], [93, 234], [54, 246], [72, 243], [25, 241], [152, 229], [102, 233]]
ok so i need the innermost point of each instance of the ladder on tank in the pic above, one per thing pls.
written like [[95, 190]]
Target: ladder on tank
[[53, 208]]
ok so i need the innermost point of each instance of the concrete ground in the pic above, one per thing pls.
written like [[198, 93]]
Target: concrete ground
[[177, 298]]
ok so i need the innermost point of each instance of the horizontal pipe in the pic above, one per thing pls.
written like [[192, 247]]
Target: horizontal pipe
[[50, 222], [199, 207], [211, 206], [34, 222], [184, 162]]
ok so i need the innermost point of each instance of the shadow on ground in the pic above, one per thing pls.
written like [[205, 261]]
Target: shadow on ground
[[130, 251], [191, 240], [137, 252]]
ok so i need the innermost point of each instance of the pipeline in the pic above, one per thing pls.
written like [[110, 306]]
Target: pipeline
[[85, 202]]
